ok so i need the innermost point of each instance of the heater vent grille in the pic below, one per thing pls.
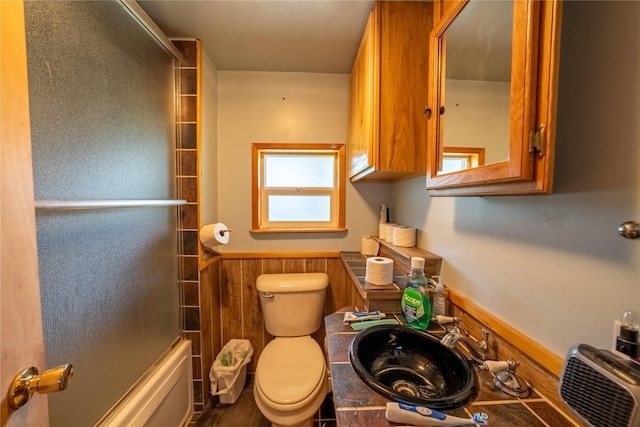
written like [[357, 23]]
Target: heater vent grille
[[595, 397]]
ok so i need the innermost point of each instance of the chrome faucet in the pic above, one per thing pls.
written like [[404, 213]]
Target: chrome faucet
[[478, 350]]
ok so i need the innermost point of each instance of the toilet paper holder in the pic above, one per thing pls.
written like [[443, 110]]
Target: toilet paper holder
[[228, 230]]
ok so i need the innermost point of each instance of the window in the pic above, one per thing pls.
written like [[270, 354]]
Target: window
[[460, 158], [298, 188]]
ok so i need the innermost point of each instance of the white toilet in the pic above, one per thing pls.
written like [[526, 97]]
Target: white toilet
[[291, 376]]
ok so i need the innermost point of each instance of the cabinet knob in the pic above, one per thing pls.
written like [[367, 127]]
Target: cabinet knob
[[629, 229], [427, 111]]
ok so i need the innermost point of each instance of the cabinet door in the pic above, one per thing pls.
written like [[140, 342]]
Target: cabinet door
[[524, 164], [363, 108], [404, 59], [389, 80]]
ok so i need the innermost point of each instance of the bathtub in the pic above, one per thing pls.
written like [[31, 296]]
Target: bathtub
[[162, 397]]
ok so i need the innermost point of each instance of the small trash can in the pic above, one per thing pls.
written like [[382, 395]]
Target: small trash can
[[229, 371]]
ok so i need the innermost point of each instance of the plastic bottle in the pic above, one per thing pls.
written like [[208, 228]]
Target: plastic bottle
[[416, 306], [439, 298]]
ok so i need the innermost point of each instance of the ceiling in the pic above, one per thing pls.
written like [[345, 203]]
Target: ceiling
[[315, 36]]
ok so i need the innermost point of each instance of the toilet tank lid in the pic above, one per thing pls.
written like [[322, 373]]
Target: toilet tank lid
[[292, 282]]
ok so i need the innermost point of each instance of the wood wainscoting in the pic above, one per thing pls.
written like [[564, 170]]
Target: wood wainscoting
[[230, 306]]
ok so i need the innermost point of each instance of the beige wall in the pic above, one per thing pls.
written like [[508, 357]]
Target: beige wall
[[284, 107], [554, 267]]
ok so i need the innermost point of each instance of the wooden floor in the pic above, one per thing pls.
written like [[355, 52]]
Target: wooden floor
[[245, 413]]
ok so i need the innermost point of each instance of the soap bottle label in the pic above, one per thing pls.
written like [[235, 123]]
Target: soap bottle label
[[412, 306]]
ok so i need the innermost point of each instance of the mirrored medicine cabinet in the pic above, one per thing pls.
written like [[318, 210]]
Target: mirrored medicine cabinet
[[492, 96]]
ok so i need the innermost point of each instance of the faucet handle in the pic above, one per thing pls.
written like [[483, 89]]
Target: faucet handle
[[505, 377], [453, 325], [445, 320], [493, 366]]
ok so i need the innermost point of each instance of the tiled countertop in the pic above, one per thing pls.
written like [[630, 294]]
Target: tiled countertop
[[357, 405]]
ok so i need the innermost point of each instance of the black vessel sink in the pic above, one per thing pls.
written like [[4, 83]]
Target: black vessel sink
[[410, 366]]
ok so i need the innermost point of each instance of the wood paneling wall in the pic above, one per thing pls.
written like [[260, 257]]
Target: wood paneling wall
[[230, 304], [239, 312], [210, 331]]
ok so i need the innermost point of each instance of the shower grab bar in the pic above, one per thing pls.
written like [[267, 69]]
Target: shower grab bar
[[103, 204]]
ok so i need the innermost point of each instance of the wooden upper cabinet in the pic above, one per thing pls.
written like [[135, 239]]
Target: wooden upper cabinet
[[388, 95]]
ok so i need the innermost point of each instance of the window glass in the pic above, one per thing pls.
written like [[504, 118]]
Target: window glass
[[452, 164], [295, 171], [299, 208]]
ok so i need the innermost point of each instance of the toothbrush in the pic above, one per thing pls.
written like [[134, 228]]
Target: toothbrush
[[359, 316], [423, 416]]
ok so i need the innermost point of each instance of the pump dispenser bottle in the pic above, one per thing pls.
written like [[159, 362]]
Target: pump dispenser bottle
[[439, 297], [415, 304]]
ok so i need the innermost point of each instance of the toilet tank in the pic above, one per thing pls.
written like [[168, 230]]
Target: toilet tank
[[292, 303]]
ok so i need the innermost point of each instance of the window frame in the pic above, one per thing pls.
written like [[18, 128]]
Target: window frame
[[259, 194]]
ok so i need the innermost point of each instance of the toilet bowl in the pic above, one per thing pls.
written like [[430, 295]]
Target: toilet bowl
[[291, 381]]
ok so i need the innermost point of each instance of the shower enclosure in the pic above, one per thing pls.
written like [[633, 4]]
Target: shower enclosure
[[102, 102]]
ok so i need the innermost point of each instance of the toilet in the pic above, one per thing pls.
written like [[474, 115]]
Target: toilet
[[291, 379]]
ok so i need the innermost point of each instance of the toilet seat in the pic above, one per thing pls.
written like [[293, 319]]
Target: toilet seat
[[290, 372]]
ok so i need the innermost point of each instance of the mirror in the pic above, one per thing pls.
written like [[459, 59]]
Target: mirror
[[477, 79], [493, 79], [460, 158]]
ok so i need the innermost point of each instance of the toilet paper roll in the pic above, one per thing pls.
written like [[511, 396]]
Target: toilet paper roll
[[379, 271], [369, 246], [388, 236], [404, 236], [382, 231], [214, 234]]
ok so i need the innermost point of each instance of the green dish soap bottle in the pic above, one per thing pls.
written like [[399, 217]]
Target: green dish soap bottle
[[415, 304]]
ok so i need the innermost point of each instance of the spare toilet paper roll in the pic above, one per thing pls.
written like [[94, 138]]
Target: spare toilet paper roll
[[382, 230], [388, 237], [214, 234], [404, 236], [369, 246], [379, 271]]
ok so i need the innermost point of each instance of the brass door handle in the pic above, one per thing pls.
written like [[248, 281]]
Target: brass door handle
[[29, 381]]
